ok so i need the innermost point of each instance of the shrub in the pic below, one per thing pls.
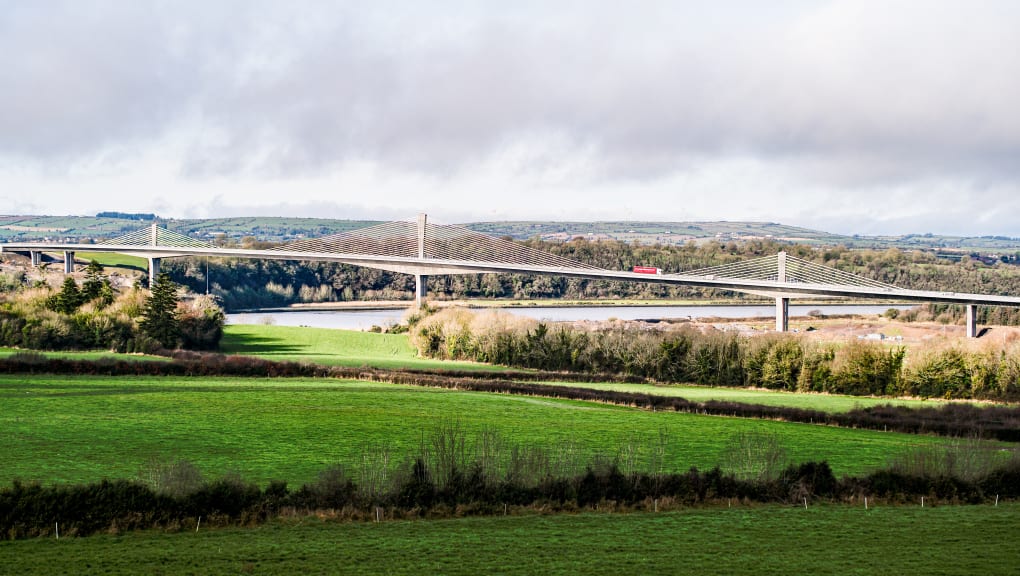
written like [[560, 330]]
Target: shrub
[[333, 490], [177, 478], [200, 322], [939, 373], [756, 456], [866, 369]]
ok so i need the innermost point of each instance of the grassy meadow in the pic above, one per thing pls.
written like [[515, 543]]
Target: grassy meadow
[[79, 429], [331, 347], [394, 351], [355, 348], [758, 540], [84, 355], [114, 260], [74, 429]]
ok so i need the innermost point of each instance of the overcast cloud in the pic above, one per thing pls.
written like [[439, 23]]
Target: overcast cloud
[[854, 117]]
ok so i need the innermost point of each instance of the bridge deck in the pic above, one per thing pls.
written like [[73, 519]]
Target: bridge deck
[[434, 266]]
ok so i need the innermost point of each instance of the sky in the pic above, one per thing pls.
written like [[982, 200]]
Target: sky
[[854, 117]]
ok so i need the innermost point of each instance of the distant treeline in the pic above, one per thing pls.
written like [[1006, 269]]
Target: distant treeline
[[779, 362], [255, 283], [126, 216]]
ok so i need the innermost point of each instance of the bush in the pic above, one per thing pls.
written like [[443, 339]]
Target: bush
[[756, 456], [941, 373], [200, 322], [177, 479]]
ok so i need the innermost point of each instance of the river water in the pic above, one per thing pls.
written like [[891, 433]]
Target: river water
[[365, 319]]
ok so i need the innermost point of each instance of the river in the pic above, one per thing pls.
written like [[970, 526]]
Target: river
[[365, 319]]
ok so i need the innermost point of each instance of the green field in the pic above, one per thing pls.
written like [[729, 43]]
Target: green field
[[393, 351], [84, 355], [759, 540], [354, 348], [78, 429], [56, 429], [332, 347], [113, 260]]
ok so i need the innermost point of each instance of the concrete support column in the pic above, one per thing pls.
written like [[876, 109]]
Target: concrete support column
[[782, 304], [421, 283], [36, 257], [68, 262], [972, 321], [153, 270], [782, 314]]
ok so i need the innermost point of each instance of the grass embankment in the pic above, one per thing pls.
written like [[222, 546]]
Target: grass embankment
[[114, 260], [81, 429], [303, 344], [332, 347], [828, 540], [823, 402]]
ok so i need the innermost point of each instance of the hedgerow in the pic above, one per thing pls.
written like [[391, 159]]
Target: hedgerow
[[425, 487], [778, 362]]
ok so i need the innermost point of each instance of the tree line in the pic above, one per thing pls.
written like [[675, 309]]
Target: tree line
[[686, 355]]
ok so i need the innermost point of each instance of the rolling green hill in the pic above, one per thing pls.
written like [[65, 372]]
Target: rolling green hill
[[280, 229]]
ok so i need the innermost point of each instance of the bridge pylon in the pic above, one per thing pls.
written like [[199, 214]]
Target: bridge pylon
[[421, 281]]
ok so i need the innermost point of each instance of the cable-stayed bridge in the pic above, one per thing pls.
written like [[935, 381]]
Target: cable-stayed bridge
[[422, 248]]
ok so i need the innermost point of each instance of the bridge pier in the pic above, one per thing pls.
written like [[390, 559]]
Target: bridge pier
[[153, 270], [36, 257], [421, 288], [68, 262], [782, 314], [972, 321]]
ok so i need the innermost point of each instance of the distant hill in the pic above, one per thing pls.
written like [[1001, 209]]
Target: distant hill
[[86, 228], [279, 229], [658, 232]]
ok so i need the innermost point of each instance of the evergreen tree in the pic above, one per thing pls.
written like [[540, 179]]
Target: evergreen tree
[[160, 321], [94, 280], [68, 299], [106, 295], [96, 286]]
